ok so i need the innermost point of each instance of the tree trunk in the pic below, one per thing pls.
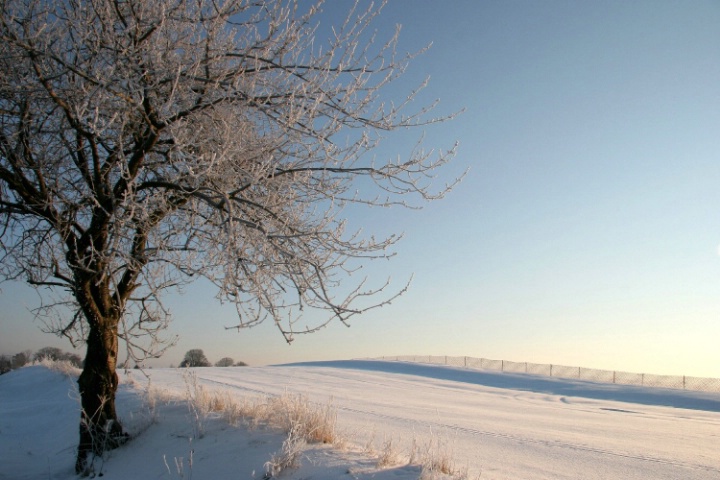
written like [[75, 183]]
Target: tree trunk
[[100, 429]]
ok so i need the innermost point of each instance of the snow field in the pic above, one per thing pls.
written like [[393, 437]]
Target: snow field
[[377, 417]]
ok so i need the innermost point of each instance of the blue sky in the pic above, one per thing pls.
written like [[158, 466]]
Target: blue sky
[[587, 231]]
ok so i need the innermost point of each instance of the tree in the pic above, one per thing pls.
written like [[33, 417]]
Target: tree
[[144, 145], [225, 362], [195, 358], [49, 353], [55, 354], [5, 364], [74, 359], [21, 359]]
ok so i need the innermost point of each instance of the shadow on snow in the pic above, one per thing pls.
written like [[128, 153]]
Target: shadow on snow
[[537, 384]]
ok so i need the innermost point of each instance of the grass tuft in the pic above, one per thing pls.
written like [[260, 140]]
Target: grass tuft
[[289, 455]]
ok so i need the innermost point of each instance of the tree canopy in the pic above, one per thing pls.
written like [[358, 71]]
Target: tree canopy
[[195, 358]]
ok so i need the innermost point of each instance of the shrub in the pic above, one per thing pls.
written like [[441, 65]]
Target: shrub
[[225, 362]]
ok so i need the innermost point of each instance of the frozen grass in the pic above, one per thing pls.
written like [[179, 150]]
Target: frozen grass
[[182, 467], [301, 420], [61, 366], [289, 456], [436, 457], [389, 456], [305, 422], [293, 414], [313, 423]]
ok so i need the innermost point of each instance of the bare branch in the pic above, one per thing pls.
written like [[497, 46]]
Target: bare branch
[[144, 145]]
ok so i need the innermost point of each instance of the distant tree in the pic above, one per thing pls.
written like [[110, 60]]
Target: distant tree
[[21, 359], [146, 144], [5, 364], [195, 358], [224, 362], [241, 364], [73, 358], [56, 354], [49, 353]]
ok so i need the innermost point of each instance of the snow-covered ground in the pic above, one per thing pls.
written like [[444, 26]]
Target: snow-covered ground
[[495, 425]]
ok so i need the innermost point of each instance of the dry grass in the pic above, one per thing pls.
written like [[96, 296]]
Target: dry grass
[[314, 423], [303, 421], [306, 422], [183, 466], [198, 403], [294, 414], [289, 455], [388, 456], [153, 396], [436, 457], [437, 460]]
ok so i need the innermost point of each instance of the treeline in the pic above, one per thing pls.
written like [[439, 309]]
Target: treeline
[[193, 358], [12, 362], [196, 358]]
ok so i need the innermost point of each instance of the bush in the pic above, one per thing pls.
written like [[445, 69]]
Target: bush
[[225, 362]]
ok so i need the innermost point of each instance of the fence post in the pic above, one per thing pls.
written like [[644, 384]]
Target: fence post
[[642, 379], [614, 372], [525, 367], [683, 382], [445, 359], [502, 365], [551, 370], [578, 372], [465, 362]]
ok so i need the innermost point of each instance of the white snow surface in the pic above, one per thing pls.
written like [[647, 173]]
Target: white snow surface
[[495, 425]]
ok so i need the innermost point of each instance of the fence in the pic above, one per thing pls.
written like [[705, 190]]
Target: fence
[[683, 382]]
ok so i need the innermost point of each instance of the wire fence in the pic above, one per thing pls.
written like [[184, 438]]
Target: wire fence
[[682, 382]]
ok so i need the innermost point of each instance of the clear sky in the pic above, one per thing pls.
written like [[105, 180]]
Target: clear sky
[[587, 231]]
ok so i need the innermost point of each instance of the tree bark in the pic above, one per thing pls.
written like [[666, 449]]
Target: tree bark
[[100, 429]]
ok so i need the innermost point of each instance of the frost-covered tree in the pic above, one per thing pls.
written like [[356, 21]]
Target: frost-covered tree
[[147, 144], [56, 354], [49, 353]]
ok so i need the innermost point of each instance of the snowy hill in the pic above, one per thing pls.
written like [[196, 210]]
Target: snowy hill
[[480, 424]]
